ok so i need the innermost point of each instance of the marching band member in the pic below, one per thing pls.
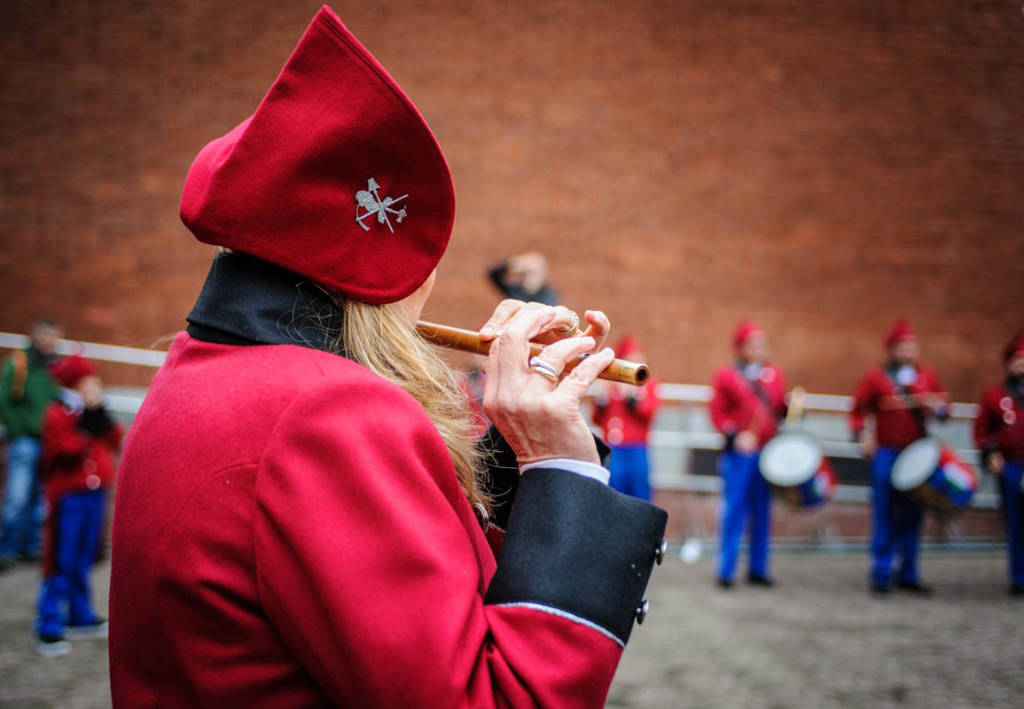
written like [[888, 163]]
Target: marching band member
[[80, 442], [625, 414], [899, 396], [747, 403], [999, 434], [301, 516]]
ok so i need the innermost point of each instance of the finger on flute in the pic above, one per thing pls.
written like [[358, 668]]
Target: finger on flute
[[619, 370]]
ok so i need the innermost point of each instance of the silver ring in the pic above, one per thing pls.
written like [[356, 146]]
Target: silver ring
[[545, 369], [572, 328]]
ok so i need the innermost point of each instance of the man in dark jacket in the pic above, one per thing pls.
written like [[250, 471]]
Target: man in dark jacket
[[26, 389]]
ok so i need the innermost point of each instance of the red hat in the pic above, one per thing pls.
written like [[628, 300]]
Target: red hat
[[336, 176], [626, 346], [71, 370], [744, 331], [900, 331], [1013, 348]]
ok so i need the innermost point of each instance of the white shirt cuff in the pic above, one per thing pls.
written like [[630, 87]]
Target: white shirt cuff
[[580, 467]]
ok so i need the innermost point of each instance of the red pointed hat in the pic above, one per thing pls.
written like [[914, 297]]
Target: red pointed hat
[[336, 176], [1014, 347], [71, 370], [900, 331], [744, 331]]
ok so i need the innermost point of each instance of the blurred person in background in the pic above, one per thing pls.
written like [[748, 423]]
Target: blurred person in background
[[26, 389], [524, 277], [999, 434], [891, 406], [624, 413], [747, 404], [80, 443], [302, 516]]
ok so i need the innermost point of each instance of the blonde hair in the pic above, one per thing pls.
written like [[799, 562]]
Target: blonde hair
[[379, 338]]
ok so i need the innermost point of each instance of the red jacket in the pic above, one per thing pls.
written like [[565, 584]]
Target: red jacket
[[1000, 423], [289, 532], [73, 460], [896, 425], [626, 420], [736, 406]]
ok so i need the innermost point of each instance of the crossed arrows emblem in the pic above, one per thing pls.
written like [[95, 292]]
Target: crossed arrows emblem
[[370, 202]]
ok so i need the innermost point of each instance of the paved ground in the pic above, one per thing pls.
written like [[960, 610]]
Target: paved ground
[[820, 640], [817, 640]]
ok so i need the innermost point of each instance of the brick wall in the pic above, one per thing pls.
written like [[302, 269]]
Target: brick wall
[[820, 165]]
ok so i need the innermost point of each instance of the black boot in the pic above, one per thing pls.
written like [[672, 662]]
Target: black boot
[[759, 580]]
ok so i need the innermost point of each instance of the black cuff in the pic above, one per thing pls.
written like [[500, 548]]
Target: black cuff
[[95, 422], [502, 478], [579, 547]]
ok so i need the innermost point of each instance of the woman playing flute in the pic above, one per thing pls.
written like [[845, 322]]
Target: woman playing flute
[[302, 518]]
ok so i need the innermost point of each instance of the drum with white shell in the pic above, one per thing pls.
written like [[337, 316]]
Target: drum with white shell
[[930, 471], [793, 463]]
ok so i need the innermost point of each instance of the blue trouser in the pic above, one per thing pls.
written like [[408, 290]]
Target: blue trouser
[[1013, 498], [23, 500], [630, 471], [746, 494], [65, 598], [896, 525]]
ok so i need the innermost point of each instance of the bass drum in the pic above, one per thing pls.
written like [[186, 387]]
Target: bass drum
[[794, 465], [930, 471]]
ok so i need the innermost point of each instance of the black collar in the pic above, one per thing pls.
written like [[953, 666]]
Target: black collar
[[247, 301]]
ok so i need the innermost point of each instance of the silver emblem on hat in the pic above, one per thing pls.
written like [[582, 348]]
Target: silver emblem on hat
[[370, 203]]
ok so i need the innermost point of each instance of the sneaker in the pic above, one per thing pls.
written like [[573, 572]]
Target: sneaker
[[759, 580], [87, 631], [879, 589], [7, 562], [724, 583], [52, 645]]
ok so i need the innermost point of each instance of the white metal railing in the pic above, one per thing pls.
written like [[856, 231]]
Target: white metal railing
[[671, 442]]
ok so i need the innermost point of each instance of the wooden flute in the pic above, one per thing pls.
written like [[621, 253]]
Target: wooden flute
[[456, 338]]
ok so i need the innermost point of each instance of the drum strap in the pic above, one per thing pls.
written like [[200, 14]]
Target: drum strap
[[904, 392], [755, 386], [1015, 392]]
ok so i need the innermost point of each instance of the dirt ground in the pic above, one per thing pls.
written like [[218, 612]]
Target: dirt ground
[[816, 640]]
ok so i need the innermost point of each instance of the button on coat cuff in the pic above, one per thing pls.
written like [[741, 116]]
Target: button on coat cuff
[[577, 546]]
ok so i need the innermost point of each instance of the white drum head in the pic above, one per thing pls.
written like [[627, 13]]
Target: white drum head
[[916, 464], [790, 459]]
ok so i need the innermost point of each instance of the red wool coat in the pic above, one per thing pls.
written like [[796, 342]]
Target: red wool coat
[[896, 425], [289, 532], [1000, 423], [72, 460], [735, 406], [623, 423]]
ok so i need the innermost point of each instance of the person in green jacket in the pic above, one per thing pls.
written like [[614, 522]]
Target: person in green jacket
[[26, 389]]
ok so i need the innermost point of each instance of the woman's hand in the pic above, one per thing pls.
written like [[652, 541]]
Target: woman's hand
[[540, 418], [564, 319]]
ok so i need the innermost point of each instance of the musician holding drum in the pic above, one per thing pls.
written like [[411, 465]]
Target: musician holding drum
[[747, 403], [302, 516], [999, 434], [891, 406]]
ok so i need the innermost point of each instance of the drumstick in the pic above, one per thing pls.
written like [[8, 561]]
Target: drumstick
[[456, 338], [797, 400], [893, 402]]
